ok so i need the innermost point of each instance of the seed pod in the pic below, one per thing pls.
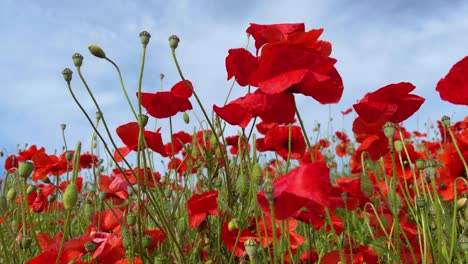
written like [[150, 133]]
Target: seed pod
[[70, 197], [77, 59], [67, 75], [145, 37], [90, 247], [143, 120], [97, 51], [389, 130], [446, 120], [25, 169], [174, 42], [251, 247], [420, 203], [398, 145], [69, 155], [256, 175], [131, 219]]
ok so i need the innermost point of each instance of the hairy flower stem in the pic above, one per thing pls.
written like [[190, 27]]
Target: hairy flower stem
[[312, 156], [224, 155], [395, 206]]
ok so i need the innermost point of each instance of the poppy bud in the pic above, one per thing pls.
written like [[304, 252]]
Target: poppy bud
[[146, 241], [242, 185], [389, 130], [461, 203], [398, 146], [67, 75], [233, 224], [51, 198], [186, 118], [88, 211], [174, 42], [256, 175], [419, 164], [69, 155], [461, 222], [70, 197], [213, 141], [142, 120], [127, 243], [251, 247], [367, 187], [145, 37], [131, 219], [446, 120], [125, 232], [11, 194], [97, 51], [269, 190], [25, 169], [181, 225], [90, 247], [77, 59]]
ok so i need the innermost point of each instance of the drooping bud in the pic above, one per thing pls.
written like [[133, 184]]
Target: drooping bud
[[186, 118], [174, 42], [251, 247], [142, 120], [389, 130], [11, 194], [97, 51], [461, 203], [446, 121], [67, 75], [77, 59], [70, 197], [145, 38], [25, 169]]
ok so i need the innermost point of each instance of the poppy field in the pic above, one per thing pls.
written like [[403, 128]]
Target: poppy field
[[275, 191]]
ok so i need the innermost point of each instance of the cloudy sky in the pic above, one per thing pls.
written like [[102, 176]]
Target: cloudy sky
[[376, 43]]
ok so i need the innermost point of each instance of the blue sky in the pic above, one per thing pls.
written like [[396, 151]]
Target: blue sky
[[376, 43]]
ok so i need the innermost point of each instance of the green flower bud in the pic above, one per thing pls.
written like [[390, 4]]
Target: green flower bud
[[88, 211], [97, 51], [398, 145], [77, 59], [98, 115], [131, 219], [90, 247], [142, 120], [233, 224], [67, 75], [389, 130], [367, 187], [256, 175], [70, 197], [461, 203], [25, 169], [251, 247], [146, 241], [145, 37], [181, 225], [446, 121], [242, 185], [186, 118], [420, 202], [11, 194], [174, 42], [51, 198], [269, 190]]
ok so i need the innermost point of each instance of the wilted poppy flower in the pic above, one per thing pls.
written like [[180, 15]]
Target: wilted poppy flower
[[454, 87], [393, 101], [129, 132], [306, 186], [166, 104], [200, 206]]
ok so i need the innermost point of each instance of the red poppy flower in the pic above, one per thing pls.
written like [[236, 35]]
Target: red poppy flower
[[110, 220], [114, 187], [230, 236], [234, 114], [129, 132], [393, 101], [306, 186], [200, 206], [167, 104], [277, 139], [45, 165], [177, 144], [240, 63], [264, 34], [453, 87], [157, 237]]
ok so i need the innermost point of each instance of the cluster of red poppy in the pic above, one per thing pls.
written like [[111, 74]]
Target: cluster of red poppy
[[288, 60]]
